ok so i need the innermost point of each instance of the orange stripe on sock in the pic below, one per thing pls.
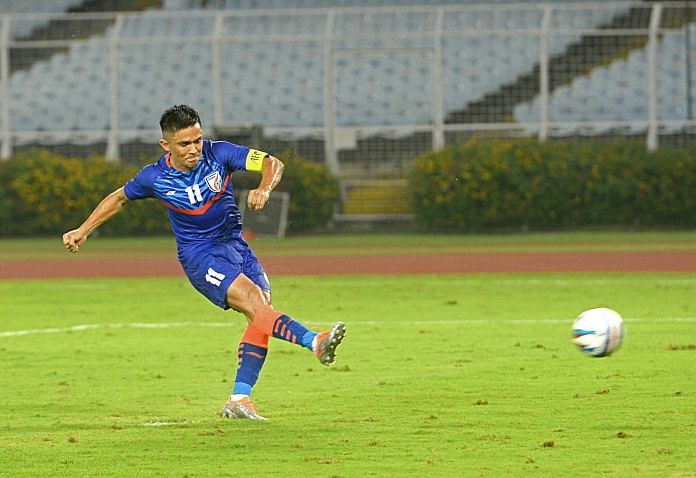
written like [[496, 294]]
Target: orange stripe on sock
[[282, 331], [265, 319], [254, 336]]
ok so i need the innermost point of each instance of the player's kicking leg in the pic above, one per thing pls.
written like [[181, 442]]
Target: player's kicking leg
[[281, 326], [265, 322], [245, 296], [326, 343]]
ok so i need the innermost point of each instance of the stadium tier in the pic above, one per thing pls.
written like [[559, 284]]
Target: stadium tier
[[24, 24], [38, 6], [382, 62], [619, 91]]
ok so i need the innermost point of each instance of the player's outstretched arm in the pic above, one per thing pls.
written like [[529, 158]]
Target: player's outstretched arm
[[105, 210], [271, 173]]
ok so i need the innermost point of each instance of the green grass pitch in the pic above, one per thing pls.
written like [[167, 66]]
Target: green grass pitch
[[462, 375]]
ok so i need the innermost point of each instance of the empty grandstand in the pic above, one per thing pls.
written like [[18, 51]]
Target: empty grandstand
[[364, 86], [619, 92]]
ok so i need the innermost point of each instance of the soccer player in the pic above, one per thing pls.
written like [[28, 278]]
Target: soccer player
[[192, 179]]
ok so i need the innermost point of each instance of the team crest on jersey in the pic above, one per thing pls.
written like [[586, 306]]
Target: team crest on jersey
[[214, 181]]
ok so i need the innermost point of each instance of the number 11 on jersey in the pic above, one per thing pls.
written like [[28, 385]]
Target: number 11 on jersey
[[194, 194]]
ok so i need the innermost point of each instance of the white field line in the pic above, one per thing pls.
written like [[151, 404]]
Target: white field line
[[167, 424], [520, 282], [179, 325], [594, 282]]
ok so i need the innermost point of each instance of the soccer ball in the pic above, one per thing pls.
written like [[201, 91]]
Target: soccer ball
[[598, 332]]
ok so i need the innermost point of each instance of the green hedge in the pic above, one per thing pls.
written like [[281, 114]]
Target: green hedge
[[521, 184], [46, 194]]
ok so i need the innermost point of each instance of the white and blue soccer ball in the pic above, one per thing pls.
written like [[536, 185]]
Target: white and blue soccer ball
[[598, 332]]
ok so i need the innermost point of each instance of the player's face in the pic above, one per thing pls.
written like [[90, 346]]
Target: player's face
[[185, 147]]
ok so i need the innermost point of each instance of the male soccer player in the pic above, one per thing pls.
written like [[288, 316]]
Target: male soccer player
[[192, 179]]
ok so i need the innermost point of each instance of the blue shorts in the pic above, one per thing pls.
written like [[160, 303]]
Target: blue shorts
[[212, 267]]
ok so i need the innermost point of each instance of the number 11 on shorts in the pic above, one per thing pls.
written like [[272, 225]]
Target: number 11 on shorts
[[214, 277]]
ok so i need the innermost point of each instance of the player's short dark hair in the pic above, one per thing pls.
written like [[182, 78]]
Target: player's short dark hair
[[178, 117]]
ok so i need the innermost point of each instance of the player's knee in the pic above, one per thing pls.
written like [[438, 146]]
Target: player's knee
[[266, 297], [263, 300]]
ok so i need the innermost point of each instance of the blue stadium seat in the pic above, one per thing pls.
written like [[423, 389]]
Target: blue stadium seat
[[619, 91]]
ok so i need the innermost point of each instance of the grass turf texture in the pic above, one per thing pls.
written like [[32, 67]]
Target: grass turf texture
[[374, 244], [439, 376]]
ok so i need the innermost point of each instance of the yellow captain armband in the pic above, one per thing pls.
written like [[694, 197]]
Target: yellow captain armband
[[254, 160]]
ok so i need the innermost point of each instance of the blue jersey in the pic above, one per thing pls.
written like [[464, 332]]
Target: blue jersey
[[200, 202]]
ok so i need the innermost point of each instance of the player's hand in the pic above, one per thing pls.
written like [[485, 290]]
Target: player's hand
[[72, 240], [257, 199]]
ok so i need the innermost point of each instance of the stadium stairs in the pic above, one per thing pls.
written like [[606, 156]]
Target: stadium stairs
[[375, 201], [373, 176], [590, 51], [377, 197]]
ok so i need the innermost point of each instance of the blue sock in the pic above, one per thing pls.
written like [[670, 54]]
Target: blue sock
[[308, 338], [285, 328], [241, 388], [251, 359]]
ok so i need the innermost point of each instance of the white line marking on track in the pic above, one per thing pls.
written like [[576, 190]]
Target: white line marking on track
[[217, 325]]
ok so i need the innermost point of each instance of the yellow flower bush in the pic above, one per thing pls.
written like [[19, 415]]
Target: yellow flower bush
[[524, 184], [46, 194]]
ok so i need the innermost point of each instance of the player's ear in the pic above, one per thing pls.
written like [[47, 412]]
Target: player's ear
[[165, 144]]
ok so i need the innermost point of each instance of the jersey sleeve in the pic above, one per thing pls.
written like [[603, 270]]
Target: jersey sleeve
[[141, 186], [238, 158]]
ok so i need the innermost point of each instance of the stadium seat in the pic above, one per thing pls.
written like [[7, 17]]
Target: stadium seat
[[619, 91]]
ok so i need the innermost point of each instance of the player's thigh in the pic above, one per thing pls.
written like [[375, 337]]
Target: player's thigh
[[246, 296], [213, 274], [252, 267]]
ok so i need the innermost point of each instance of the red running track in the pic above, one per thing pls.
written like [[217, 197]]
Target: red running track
[[631, 261]]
